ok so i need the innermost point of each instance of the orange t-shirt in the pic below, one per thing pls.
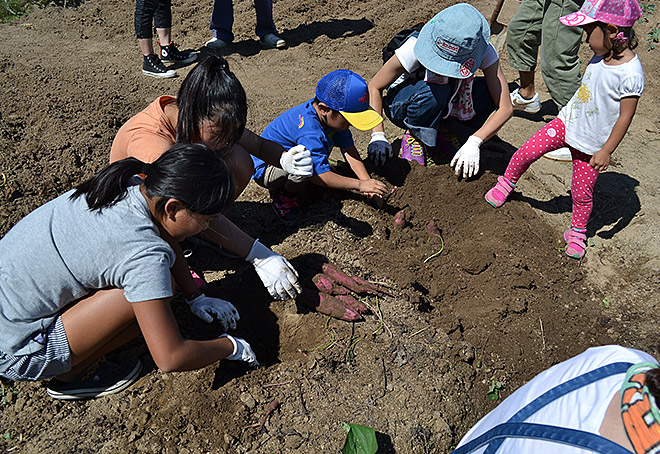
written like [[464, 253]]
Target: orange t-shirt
[[147, 135]]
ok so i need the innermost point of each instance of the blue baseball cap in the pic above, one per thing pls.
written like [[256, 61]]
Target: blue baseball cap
[[454, 42], [347, 92]]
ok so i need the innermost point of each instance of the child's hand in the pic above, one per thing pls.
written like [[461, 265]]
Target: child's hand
[[600, 161], [372, 187]]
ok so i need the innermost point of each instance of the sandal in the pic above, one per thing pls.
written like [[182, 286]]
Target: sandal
[[577, 243], [499, 193]]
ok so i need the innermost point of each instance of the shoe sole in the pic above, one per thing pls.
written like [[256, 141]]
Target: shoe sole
[[183, 62], [160, 75], [269, 46], [91, 393], [525, 108]]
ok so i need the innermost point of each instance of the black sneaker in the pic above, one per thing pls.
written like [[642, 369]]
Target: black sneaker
[[100, 379], [286, 205], [154, 67], [170, 54]]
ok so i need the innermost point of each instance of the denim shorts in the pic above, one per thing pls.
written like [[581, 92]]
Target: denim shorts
[[52, 360]]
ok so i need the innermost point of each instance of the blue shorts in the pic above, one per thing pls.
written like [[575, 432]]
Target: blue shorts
[[52, 360]]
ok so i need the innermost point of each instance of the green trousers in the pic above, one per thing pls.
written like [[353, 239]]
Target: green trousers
[[536, 24]]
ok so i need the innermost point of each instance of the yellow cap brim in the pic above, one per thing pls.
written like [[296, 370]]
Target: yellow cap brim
[[364, 120]]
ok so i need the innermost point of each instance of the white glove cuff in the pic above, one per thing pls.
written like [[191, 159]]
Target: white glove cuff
[[474, 140], [377, 135], [233, 341], [258, 251]]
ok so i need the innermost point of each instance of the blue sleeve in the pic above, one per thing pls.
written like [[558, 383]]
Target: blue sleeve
[[319, 150]]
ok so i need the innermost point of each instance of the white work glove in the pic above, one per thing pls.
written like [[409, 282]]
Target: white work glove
[[297, 161], [379, 149], [277, 274], [242, 351], [467, 157], [206, 307]]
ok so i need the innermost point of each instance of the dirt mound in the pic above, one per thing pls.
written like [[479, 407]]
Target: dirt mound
[[487, 296]]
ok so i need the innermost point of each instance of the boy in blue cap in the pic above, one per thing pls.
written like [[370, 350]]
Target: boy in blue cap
[[342, 100]]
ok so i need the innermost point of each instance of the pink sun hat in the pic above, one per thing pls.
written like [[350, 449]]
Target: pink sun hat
[[622, 13]]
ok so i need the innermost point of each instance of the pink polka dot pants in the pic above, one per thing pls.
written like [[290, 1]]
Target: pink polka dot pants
[[551, 137]]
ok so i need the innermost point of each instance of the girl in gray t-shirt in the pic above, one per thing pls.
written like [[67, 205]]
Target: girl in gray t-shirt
[[90, 270]]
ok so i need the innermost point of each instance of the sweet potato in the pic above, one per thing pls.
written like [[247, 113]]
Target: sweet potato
[[326, 284], [354, 304], [328, 305], [399, 219], [355, 284]]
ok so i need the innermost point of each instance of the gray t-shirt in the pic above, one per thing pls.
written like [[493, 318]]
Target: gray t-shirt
[[62, 251]]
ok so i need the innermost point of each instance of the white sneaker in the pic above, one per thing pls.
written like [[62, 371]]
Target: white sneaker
[[215, 43], [272, 40], [532, 105], [560, 154]]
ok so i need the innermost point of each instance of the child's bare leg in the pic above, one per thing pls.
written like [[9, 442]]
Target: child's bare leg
[[527, 89], [146, 46], [97, 325], [164, 36]]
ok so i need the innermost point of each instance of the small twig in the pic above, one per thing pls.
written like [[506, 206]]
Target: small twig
[[364, 251], [302, 401], [4, 177], [419, 331], [269, 385], [542, 333]]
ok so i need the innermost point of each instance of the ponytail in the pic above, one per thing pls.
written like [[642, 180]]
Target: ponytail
[[191, 173], [211, 93], [109, 186]]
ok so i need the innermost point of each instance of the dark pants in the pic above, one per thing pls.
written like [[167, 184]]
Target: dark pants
[[146, 11], [222, 19], [420, 107]]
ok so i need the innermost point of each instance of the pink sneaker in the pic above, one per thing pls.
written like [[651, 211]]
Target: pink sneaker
[[412, 150], [577, 243], [499, 193]]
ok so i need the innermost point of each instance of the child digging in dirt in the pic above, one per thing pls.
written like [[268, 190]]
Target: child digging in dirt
[[596, 118], [449, 49], [211, 108], [88, 271], [342, 99]]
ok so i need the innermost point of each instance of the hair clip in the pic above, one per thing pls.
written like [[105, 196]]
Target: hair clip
[[620, 38]]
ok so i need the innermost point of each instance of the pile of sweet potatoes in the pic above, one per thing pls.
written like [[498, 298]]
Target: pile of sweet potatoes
[[332, 293]]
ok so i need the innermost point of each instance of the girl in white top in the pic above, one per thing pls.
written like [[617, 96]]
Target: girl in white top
[[450, 48], [596, 118]]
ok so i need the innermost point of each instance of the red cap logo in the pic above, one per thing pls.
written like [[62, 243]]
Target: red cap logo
[[467, 66]]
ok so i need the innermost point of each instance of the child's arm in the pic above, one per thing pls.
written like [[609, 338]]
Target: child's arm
[[296, 161], [601, 159], [364, 183], [499, 92], [170, 351]]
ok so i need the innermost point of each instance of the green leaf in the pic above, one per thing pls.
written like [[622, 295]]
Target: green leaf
[[359, 439]]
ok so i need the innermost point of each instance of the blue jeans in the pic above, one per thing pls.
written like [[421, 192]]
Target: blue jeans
[[222, 19], [420, 107]]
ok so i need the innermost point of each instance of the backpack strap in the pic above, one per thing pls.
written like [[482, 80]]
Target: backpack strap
[[549, 396], [571, 437]]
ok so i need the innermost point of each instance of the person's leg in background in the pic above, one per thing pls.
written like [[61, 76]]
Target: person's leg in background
[[145, 11], [265, 29], [222, 22], [169, 53], [523, 41]]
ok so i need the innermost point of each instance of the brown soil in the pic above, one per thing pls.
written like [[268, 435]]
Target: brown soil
[[500, 302]]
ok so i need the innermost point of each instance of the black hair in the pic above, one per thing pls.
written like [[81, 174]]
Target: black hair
[[317, 101], [211, 92], [617, 46], [191, 173], [653, 383]]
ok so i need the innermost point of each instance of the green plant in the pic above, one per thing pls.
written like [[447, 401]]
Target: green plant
[[4, 392], [359, 439], [494, 390], [606, 301], [653, 36]]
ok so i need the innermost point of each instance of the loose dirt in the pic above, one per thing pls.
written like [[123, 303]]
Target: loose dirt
[[491, 298]]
